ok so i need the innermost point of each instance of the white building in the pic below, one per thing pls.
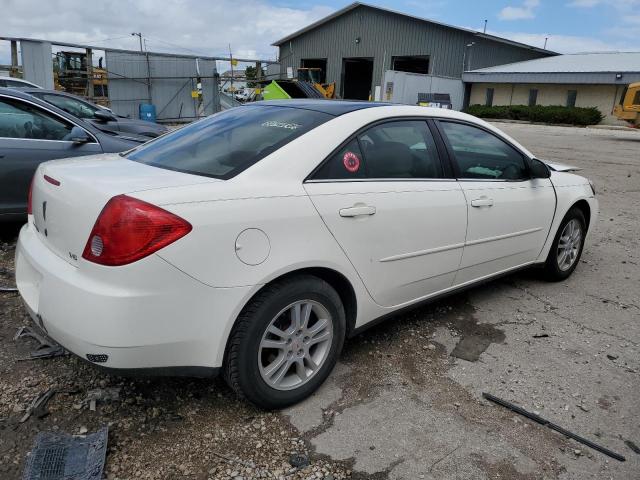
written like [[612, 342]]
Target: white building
[[581, 80]]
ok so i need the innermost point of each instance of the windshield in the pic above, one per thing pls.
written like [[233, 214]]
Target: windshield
[[225, 144], [75, 107]]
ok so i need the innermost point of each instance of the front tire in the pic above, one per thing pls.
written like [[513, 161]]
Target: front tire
[[567, 246], [285, 342]]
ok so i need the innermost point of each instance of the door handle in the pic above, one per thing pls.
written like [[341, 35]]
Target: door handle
[[357, 210], [482, 202]]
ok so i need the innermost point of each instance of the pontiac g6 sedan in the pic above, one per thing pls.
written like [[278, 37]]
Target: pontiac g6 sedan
[[254, 241]]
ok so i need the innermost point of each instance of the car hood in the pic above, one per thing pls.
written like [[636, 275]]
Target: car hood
[[142, 123], [559, 167]]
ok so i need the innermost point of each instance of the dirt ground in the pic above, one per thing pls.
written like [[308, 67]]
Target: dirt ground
[[405, 400]]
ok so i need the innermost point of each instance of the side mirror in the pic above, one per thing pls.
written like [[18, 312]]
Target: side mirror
[[103, 116], [79, 136], [539, 169]]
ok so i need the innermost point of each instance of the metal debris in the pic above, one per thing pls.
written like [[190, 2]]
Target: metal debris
[[47, 349], [38, 406], [103, 395], [60, 456], [552, 426], [8, 289]]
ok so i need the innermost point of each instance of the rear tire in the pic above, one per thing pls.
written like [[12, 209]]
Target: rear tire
[[285, 342], [567, 246]]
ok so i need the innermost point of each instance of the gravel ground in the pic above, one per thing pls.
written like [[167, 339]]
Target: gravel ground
[[405, 400]]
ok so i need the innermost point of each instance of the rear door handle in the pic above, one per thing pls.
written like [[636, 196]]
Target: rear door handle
[[357, 210], [482, 202]]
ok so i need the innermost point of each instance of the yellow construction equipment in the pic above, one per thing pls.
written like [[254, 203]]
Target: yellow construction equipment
[[70, 75], [314, 76], [629, 107]]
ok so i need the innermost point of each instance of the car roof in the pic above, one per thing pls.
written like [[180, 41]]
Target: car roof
[[331, 107], [24, 95]]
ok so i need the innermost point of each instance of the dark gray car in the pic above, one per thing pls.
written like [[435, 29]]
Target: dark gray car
[[100, 117], [32, 132]]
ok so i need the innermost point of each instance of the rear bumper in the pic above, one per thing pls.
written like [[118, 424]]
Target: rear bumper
[[146, 317]]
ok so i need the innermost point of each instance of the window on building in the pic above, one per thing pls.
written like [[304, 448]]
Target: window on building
[[488, 99], [571, 98], [412, 64], [481, 155], [533, 97]]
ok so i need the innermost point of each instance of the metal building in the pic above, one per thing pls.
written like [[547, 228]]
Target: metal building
[[357, 44]]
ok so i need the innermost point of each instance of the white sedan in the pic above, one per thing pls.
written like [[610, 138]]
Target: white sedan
[[254, 241]]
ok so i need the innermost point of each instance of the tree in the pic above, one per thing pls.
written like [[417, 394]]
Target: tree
[[250, 74]]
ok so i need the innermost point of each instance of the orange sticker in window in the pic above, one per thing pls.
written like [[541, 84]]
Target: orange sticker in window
[[351, 162]]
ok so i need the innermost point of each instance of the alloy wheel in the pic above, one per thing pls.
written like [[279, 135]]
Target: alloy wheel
[[569, 245], [295, 345]]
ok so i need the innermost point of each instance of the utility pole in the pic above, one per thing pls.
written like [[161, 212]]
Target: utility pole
[[139, 35], [231, 61], [485, 26]]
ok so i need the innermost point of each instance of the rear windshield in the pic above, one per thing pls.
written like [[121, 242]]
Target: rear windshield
[[225, 144]]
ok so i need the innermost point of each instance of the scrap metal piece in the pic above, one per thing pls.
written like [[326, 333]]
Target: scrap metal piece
[[38, 405], [60, 456], [552, 426], [47, 349]]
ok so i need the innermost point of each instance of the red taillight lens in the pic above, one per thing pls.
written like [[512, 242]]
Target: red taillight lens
[[128, 229], [29, 203]]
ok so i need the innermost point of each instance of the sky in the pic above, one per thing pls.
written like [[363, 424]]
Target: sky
[[248, 27]]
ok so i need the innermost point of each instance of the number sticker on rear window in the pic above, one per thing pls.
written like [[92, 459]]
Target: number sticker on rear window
[[274, 123]]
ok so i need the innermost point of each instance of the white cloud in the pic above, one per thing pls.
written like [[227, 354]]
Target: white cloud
[[618, 4], [522, 12], [183, 26], [564, 43]]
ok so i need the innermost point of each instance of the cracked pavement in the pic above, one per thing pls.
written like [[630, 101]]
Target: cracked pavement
[[405, 401]]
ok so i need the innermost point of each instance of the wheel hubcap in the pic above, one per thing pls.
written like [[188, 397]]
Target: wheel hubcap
[[569, 245], [295, 345]]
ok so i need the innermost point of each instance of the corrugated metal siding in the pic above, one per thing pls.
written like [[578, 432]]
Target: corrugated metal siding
[[384, 35], [172, 80]]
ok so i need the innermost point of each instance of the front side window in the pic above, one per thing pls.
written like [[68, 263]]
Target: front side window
[[481, 155], [399, 149], [70, 105], [22, 120], [225, 144]]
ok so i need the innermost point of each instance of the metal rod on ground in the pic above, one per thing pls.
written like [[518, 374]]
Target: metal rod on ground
[[552, 426]]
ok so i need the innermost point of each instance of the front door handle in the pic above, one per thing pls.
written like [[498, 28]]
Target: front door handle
[[482, 202], [357, 210]]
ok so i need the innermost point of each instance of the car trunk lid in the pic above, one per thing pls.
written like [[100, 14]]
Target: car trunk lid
[[68, 196]]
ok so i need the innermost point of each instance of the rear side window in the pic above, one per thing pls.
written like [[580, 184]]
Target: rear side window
[[399, 149], [225, 144], [481, 155]]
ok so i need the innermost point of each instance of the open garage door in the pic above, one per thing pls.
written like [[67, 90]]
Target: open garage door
[[357, 77]]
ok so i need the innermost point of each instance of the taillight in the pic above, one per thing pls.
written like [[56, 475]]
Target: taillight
[[29, 203], [128, 229]]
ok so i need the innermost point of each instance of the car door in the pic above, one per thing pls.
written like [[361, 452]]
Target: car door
[[30, 135], [509, 213], [400, 219]]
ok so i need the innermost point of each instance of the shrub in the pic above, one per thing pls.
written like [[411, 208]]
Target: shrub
[[539, 113]]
